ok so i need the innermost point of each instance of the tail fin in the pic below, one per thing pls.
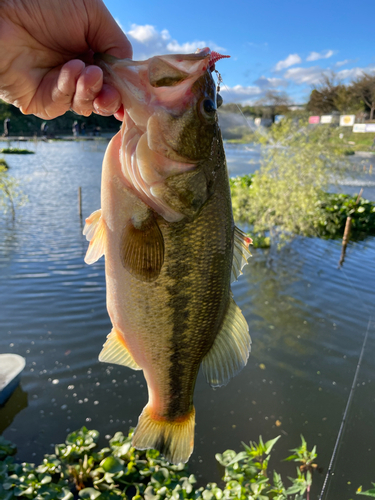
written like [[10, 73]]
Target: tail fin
[[174, 439]]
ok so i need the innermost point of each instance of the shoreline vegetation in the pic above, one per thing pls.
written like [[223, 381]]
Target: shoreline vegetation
[[30, 126], [78, 469], [289, 194], [327, 221], [16, 151]]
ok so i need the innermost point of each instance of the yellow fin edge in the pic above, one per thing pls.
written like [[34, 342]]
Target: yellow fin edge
[[173, 438], [230, 350], [115, 351]]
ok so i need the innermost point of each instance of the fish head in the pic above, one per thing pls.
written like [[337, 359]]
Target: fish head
[[185, 116], [170, 126]]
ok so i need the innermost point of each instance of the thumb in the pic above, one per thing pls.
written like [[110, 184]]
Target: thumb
[[105, 35]]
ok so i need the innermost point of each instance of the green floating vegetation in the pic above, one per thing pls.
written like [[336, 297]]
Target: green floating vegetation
[[3, 164], [326, 219], [78, 469], [16, 151]]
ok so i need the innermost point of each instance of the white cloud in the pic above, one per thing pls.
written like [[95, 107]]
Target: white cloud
[[342, 63], [354, 73], [147, 41], [240, 94], [265, 82], [314, 56], [304, 76], [289, 61]]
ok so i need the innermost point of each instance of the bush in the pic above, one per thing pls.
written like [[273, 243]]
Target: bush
[[326, 218]]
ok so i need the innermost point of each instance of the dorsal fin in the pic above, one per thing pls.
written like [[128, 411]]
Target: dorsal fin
[[231, 348], [241, 253]]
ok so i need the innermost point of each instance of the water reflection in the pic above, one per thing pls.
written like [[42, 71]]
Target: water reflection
[[14, 405]]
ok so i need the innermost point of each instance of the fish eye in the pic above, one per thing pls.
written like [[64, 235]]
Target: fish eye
[[209, 106]]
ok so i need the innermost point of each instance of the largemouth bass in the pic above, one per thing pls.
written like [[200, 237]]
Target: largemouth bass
[[170, 245]]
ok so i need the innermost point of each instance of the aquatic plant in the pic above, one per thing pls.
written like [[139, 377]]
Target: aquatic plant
[[297, 165], [368, 493], [325, 219], [11, 196], [78, 470], [16, 151]]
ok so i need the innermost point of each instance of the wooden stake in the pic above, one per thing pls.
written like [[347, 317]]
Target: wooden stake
[[345, 239], [80, 201]]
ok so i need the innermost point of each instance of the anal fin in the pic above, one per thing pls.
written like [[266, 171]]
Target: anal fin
[[94, 231], [115, 351], [241, 253], [230, 350]]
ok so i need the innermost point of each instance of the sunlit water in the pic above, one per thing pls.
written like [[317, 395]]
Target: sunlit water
[[307, 320]]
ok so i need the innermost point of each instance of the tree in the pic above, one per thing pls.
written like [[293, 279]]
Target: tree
[[364, 89], [323, 98], [273, 103]]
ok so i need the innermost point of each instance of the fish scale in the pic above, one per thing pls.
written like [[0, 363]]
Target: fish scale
[[170, 244]]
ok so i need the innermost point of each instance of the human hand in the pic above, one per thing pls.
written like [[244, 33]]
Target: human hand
[[47, 49]]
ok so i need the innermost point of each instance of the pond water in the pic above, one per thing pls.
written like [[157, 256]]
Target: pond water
[[307, 319]]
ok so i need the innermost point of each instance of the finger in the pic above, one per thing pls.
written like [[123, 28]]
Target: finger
[[120, 114], [88, 87], [56, 91], [105, 35], [108, 101]]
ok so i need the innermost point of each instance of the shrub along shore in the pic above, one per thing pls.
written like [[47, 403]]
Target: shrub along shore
[[326, 220]]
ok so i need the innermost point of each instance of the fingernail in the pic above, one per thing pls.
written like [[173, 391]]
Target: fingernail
[[93, 71], [103, 112]]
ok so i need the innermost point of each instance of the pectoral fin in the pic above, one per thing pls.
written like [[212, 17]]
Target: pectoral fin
[[142, 249], [94, 231], [115, 351], [231, 348], [241, 253]]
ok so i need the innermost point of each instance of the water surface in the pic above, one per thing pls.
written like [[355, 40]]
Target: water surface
[[306, 317]]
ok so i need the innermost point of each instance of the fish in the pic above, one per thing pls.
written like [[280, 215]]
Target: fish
[[171, 248]]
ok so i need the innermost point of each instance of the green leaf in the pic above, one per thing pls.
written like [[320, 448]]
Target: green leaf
[[269, 444], [240, 456], [46, 479], [112, 464], [368, 493], [91, 493]]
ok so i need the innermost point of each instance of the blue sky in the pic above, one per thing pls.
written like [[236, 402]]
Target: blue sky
[[283, 45]]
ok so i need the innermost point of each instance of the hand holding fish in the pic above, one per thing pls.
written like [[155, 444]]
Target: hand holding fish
[[47, 48]]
